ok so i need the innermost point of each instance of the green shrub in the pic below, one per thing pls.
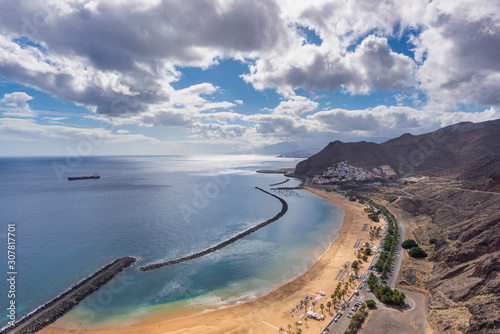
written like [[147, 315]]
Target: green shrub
[[391, 199], [432, 241], [417, 252], [370, 303], [385, 293], [374, 216], [409, 243]]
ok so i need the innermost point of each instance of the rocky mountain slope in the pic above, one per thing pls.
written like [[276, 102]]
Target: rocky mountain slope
[[480, 174], [444, 148], [464, 284]]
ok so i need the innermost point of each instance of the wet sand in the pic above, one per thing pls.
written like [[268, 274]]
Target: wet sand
[[267, 313]]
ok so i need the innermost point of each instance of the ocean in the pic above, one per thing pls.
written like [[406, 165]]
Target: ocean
[[154, 208]]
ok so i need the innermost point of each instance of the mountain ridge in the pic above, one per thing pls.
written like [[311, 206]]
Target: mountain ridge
[[447, 147]]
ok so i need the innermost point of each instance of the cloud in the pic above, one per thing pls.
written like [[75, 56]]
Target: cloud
[[295, 105], [278, 125], [15, 104], [372, 65], [460, 52], [219, 131], [16, 98], [29, 130], [122, 59], [119, 58], [378, 122]]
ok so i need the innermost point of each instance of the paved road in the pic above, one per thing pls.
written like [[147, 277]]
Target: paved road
[[393, 278], [469, 190]]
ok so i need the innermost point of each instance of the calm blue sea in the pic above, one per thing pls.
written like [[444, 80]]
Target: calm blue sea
[[154, 208]]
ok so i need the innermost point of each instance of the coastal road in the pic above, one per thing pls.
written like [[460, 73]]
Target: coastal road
[[398, 261]]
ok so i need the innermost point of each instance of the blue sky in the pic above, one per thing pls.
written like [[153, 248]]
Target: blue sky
[[170, 77]]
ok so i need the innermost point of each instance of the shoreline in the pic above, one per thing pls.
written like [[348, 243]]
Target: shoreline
[[271, 309]]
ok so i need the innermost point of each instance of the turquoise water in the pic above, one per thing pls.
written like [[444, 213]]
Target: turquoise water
[[155, 208]]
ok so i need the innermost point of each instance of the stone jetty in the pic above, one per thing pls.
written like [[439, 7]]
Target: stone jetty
[[284, 209], [57, 307]]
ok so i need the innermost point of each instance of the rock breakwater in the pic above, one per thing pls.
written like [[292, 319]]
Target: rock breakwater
[[284, 209], [57, 307]]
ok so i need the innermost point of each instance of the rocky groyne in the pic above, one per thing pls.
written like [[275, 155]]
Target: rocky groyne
[[275, 184], [56, 308], [284, 209]]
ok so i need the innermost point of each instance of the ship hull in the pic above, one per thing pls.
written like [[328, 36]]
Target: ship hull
[[82, 178]]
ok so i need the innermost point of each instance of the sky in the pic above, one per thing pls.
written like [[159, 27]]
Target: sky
[[87, 77]]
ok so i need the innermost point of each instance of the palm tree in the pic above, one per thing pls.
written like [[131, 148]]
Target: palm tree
[[333, 296], [329, 305], [306, 322], [281, 330], [343, 292], [321, 306], [301, 303], [306, 302], [350, 280], [289, 328], [314, 304]]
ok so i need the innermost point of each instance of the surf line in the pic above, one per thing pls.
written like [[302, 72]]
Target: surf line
[[284, 209]]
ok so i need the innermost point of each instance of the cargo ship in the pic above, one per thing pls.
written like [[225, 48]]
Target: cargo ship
[[95, 176]]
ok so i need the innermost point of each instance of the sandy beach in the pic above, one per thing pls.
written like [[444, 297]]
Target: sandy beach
[[268, 313]]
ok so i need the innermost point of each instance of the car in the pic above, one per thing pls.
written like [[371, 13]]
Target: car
[[351, 313], [349, 316], [335, 319], [370, 267]]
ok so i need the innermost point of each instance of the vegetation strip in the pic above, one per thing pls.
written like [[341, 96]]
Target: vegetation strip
[[391, 239], [384, 293], [284, 209], [57, 307]]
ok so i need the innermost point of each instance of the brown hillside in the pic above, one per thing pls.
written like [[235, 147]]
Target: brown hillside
[[466, 274], [481, 174], [444, 148]]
